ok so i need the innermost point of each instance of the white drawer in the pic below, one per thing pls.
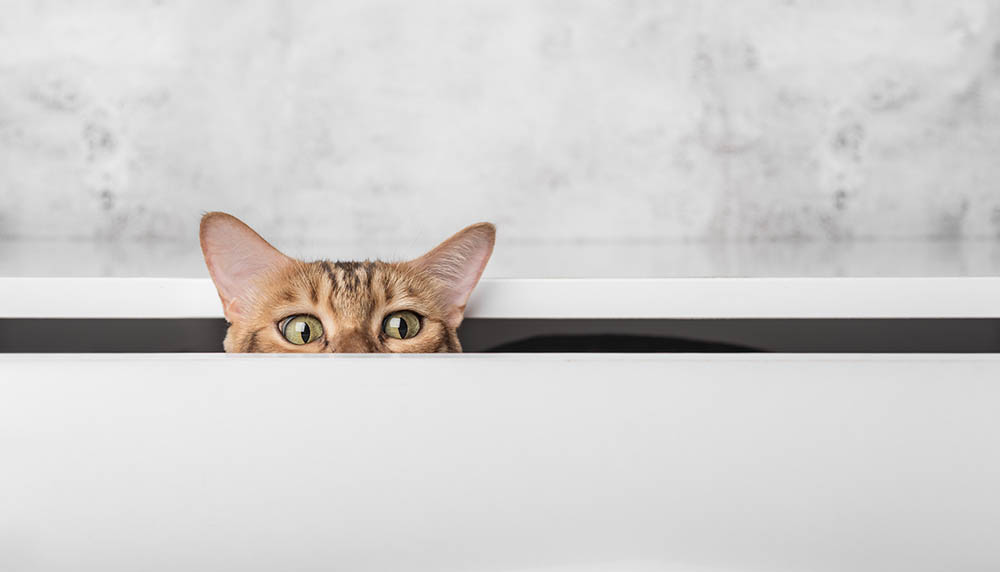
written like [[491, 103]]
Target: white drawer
[[499, 463], [673, 314]]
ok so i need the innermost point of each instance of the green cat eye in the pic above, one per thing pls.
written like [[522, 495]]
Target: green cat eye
[[401, 325], [302, 329]]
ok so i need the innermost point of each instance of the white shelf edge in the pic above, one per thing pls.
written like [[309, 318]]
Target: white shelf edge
[[663, 298]]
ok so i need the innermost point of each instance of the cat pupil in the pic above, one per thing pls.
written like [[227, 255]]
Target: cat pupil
[[401, 326], [303, 329]]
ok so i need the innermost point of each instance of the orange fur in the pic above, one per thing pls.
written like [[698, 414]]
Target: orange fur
[[259, 287]]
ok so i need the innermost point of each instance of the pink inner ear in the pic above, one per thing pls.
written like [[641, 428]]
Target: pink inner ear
[[457, 264], [237, 258]]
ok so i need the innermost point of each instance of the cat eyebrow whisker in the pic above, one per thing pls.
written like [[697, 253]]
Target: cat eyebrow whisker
[[405, 303], [313, 292]]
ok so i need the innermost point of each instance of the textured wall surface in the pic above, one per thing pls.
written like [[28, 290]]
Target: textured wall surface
[[577, 121]]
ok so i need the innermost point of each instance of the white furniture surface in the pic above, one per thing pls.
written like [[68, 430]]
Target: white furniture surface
[[510, 463], [488, 463], [964, 297]]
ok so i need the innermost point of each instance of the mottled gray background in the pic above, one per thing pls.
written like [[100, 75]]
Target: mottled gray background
[[701, 137]]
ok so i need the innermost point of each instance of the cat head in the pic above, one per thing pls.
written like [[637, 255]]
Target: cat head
[[275, 303]]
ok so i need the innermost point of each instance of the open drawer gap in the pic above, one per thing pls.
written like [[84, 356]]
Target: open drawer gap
[[170, 335]]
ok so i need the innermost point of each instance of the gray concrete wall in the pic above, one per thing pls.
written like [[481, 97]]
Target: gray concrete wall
[[576, 120]]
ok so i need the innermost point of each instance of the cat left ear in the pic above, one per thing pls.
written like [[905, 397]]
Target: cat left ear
[[238, 259], [456, 265]]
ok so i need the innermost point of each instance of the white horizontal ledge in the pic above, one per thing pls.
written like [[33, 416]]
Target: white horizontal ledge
[[681, 298]]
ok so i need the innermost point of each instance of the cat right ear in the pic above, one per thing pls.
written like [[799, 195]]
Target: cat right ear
[[456, 265], [237, 259]]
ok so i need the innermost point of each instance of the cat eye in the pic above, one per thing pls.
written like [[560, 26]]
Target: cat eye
[[301, 329], [401, 325]]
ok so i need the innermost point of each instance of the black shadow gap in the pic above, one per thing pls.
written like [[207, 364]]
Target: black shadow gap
[[547, 335]]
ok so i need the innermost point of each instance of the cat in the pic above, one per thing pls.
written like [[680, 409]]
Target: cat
[[275, 303]]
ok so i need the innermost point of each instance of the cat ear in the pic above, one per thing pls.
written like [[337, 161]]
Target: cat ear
[[456, 265], [237, 259]]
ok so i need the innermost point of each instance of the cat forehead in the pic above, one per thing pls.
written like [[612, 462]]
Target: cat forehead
[[354, 277], [353, 287]]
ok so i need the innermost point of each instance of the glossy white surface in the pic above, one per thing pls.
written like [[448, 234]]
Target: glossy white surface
[[567, 298], [481, 463]]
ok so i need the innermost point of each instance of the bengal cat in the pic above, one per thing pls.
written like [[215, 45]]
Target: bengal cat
[[275, 303]]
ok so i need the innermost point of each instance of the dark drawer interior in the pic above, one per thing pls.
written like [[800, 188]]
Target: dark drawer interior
[[548, 335]]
